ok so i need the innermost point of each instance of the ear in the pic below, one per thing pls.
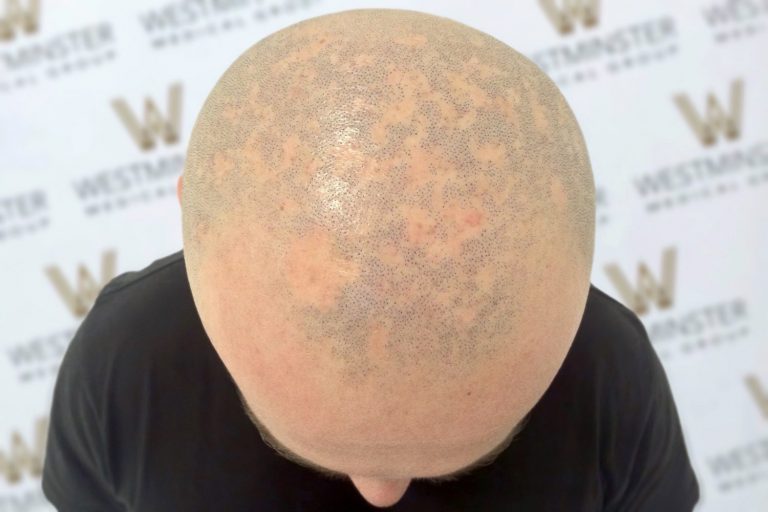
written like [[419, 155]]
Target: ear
[[179, 186]]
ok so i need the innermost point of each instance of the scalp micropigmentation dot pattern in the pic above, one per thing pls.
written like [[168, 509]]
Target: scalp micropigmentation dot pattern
[[405, 167]]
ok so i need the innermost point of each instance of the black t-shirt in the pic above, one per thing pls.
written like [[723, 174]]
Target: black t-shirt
[[145, 417]]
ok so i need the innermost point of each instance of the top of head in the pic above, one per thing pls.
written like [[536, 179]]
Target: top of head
[[396, 183]]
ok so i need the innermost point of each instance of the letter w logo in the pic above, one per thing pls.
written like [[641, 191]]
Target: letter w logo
[[154, 122], [563, 17], [80, 300], [648, 289], [29, 19], [758, 393], [21, 457], [716, 119]]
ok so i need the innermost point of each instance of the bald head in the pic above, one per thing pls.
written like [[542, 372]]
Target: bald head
[[388, 223]]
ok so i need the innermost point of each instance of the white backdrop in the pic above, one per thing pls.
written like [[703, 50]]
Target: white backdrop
[[97, 100]]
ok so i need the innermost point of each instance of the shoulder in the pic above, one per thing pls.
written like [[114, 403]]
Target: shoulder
[[131, 314], [136, 301], [151, 278], [611, 316], [616, 339], [629, 381], [643, 456], [612, 362], [135, 338]]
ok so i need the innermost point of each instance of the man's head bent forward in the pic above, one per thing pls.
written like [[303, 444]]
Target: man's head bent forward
[[388, 224]]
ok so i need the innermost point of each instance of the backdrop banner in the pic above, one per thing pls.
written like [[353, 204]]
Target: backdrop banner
[[97, 101]]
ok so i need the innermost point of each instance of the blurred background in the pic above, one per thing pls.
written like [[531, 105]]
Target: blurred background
[[97, 100]]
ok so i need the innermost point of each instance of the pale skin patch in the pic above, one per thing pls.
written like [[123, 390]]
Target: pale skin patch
[[466, 223], [412, 40], [490, 152], [293, 152], [482, 186], [420, 226], [558, 193], [463, 224], [510, 186], [290, 150], [448, 112], [309, 171], [390, 255], [444, 297], [484, 279], [364, 60], [470, 218], [413, 82], [307, 75], [295, 91], [254, 107], [465, 220], [413, 141], [465, 316], [395, 76], [306, 52], [289, 207], [418, 173], [540, 121], [252, 157], [418, 83], [508, 104], [443, 250], [378, 336], [315, 274], [355, 63], [465, 89], [477, 68], [401, 111], [232, 113], [379, 133], [221, 166], [467, 120]]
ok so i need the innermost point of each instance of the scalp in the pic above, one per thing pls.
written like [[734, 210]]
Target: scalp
[[410, 178]]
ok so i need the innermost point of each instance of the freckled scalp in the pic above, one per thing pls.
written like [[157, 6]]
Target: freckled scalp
[[410, 174]]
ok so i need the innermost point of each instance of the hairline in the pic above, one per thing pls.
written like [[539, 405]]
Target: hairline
[[283, 451]]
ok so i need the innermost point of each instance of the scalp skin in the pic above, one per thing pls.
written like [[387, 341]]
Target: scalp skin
[[404, 190]]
